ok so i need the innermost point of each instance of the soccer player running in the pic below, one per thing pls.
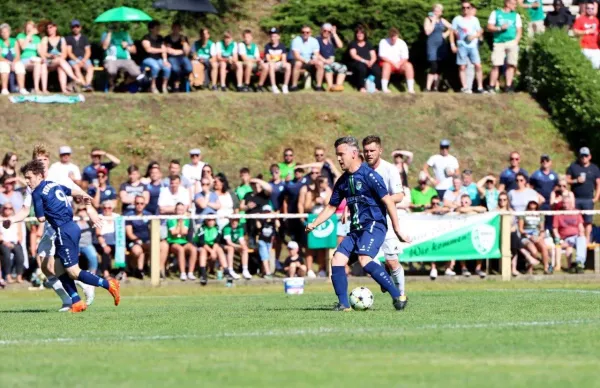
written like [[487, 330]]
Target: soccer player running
[[369, 201], [372, 151], [51, 203]]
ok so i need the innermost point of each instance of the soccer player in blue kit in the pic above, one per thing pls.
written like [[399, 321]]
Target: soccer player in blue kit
[[369, 202], [51, 203]]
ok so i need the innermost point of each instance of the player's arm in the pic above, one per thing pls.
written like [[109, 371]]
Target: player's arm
[[322, 217], [390, 205]]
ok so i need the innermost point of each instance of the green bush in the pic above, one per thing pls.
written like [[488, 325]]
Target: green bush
[[563, 81]]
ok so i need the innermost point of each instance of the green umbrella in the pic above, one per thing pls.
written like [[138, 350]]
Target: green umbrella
[[123, 14]]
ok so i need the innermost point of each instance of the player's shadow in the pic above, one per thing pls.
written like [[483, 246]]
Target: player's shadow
[[26, 311], [322, 308]]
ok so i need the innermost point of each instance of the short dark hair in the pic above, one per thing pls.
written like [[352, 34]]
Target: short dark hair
[[153, 23], [521, 174], [132, 168], [371, 139], [394, 32], [179, 204], [175, 161], [244, 170], [465, 196], [35, 166], [271, 167], [247, 31], [174, 178], [349, 140], [358, 29], [435, 197]]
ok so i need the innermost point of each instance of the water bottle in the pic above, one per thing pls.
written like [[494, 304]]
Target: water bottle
[[370, 83], [220, 274]]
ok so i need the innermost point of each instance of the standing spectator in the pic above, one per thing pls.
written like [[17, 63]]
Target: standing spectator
[[227, 57], [10, 196], [505, 23], [437, 30], [266, 234], [138, 236], [244, 188], [531, 228], [154, 188], [11, 241], [173, 195], [470, 187], [488, 191], [440, 163], [522, 195], [118, 47], [179, 245], [86, 242], [560, 17], [422, 194], [584, 178], [206, 200], [329, 41], [312, 199], [305, 51], [569, 233], [90, 172], [193, 170], [156, 56], [175, 169], [452, 196], [508, 176], [544, 181], [393, 59], [535, 9], [8, 169], [64, 169], [10, 60], [328, 169], [227, 201], [276, 61], [204, 53], [106, 237], [53, 51], [178, 51], [286, 168], [402, 160], [277, 188], [29, 42], [130, 190], [587, 27], [249, 56], [233, 236], [464, 41], [295, 226], [294, 264], [79, 52], [101, 191], [363, 60]]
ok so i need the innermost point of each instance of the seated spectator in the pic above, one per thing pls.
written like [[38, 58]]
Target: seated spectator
[[155, 186], [305, 52], [535, 10], [569, 233], [156, 57], [100, 190], [560, 192], [11, 241], [488, 191], [587, 26], [8, 168], [521, 196], [207, 241], [175, 169], [29, 42], [170, 196], [79, 52], [179, 245], [10, 195], [505, 23], [531, 228], [329, 41], [422, 195], [363, 60], [544, 180], [138, 237], [118, 47], [393, 59], [266, 234], [10, 61], [178, 50], [470, 187], [244, 188], [53, 51], [561, 16], [207, 172], [294, 264], [131, 189], [464, 42], [228, 60], [106, 237], [64, 170], [90, 172], [452, 196], [249, 57], [276, 61], [204, 54], [86, 242], [234, 241], [437, 207], [228, 200], [437, 30], [193, 170], [206, 200]]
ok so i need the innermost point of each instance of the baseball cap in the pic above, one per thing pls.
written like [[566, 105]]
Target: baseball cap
[[274, 30], [64, 150], [102, 170], [267, 208], [584, 151], [445, 143], [544, 157], [75, 22], [293, 245], [195, 151], [422, 176], [326, 27]]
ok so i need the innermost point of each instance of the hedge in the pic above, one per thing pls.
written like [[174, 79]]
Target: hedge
[[564, 82]]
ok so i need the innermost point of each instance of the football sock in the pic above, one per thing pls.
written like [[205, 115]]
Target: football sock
[[340, 284], [410, 85], [70, 287], [381, 277], [245, 268], [93, 280], [398, 276], [203, 271], [58, 287]]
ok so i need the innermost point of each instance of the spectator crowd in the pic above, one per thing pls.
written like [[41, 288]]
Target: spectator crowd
[[226, 246]]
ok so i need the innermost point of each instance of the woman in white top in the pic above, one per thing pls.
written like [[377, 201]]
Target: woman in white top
[[402, 160], [11, 240], [225, 198], [522, 195], [107, 237]]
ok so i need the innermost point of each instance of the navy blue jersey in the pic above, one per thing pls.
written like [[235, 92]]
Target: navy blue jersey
[[154, 191], [363, 191], [141, 228], [544, 183], [51, 200], [509, 178], [292, 192], [277, 194]]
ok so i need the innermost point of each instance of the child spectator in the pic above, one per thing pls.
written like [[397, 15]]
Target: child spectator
[[266, 233], [294, 264]]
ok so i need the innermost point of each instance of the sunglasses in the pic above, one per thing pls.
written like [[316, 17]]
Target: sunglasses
[[140, 203], [7, 208], [107, 207], [306, 32], [502, 199], [319, 155], [515, 159], [195, 156], [466, 7], [290, 155], [520, 180], [205, 184]]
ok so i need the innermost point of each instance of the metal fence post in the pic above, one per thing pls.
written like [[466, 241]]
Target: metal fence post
[[505, 261], [155, 252]]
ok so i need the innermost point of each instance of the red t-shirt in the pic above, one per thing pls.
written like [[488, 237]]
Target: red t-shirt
[[588, 41], [567, 225]]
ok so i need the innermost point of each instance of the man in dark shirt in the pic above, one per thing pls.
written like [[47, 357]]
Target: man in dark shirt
[[584, 178], [138, 236], [561, 16], [544, 181], [156, 56], [292, 193], [276, 61], [79, 52], [90, 173], [508, 177]]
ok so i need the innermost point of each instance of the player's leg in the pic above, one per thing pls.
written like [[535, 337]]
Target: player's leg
[[391, 250], [339, 279], [45, 254]]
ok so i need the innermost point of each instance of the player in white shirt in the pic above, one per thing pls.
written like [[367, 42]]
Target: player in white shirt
[[372, 151], [193, 171], [393, 59]]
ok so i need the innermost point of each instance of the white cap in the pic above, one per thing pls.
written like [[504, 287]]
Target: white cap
[[326, 26], [195, 151], [267, 208], [293, 245], [65, 150]]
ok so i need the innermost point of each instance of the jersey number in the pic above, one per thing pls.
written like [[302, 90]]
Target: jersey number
[[63, 198]]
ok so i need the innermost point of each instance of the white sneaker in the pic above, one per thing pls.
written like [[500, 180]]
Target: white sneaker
[[387, 91], [465, 272], [285, 89], [481, 274], [246, 275], [5, 92], [449, 272], [24, 92], [65, 308], [233, 274], [191, 276], [433, 274], [88, 291], [183, 277], [322, 274], [275, 90], [311, 274]]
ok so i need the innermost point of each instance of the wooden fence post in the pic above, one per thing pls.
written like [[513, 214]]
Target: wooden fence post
[[155, 252]]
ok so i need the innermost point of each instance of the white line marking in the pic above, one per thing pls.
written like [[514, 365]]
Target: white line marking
[[565, 290], [303, 332]]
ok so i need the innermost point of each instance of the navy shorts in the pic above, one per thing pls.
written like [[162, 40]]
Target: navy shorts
[[585, 204], [364, 242], [67, 244]]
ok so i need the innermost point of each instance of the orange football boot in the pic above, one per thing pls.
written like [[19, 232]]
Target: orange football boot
[[113, 288], [78, 307]]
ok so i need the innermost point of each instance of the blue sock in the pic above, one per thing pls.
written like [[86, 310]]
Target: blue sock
[[70, 287], [93, 280], [380, 275], [340, 284]]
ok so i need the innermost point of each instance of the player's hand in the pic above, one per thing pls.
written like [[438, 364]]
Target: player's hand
[[309, 227], [97, 222], [402, 237]]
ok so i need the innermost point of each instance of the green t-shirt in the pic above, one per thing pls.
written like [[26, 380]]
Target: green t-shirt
[[242, 190], [174, 239], [204, 52], [31, 50], [226, 50], [509, 18], [233, 234], [286, 170], [8, 48], [115, 50], [420, 198], [207, 235], [535, 14]]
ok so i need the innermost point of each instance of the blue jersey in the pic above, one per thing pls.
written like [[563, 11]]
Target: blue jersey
[[363, 191], [277, 194], [292, 191], [544, 183], [154, 191], [509, 178], [51, 200]]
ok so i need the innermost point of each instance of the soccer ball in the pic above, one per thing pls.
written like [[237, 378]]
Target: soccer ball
[[361, 298]]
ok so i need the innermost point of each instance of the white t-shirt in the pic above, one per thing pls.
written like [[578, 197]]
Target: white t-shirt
[[225, 210], [193, 173], [439, 164], [393, 53], [11, 234], [166, 198], [393, 184], [59, 172]]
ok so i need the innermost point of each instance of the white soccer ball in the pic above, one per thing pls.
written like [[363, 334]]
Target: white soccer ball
[[361, 298]]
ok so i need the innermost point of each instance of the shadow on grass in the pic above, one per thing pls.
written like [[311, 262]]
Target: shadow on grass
[[315, 308], [26, 311]]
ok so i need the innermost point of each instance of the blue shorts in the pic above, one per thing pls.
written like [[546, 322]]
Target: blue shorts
[[264, 250], [585, 204], [467, 53], [67, 244], [87, 62], [364, 242]]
